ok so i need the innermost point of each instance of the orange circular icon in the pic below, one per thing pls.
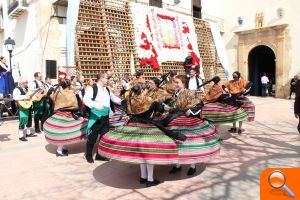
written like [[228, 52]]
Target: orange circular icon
[[277, 179]]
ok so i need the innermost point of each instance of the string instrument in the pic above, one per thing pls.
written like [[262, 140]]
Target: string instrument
[[26, 104]]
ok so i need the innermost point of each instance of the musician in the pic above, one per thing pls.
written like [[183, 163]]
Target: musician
[[38, 107], [48, 103], [236, 88], [25, 116], [193, 81], [100, 105], [48, 83], [6, 78]]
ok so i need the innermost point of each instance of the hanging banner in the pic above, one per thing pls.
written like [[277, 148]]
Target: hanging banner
[[221, 51], [162, 35], [72, 16]]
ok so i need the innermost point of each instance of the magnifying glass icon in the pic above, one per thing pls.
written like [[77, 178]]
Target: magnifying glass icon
[[277, 180]]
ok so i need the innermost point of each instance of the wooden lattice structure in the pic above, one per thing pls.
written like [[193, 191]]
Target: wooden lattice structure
[[207, 50], [105, 40]]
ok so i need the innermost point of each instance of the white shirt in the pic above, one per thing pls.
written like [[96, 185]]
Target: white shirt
[[32, 85], [17, 94], [126, 85], [193, 84], [264, 80], [79, 88], [102, 98]]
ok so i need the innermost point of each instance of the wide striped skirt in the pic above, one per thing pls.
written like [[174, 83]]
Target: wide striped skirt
[[220, 113], [202, 144], [138, 143], [249, 107], [62, 129]]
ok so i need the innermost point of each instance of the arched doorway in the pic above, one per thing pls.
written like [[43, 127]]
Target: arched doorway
[[261, 59]]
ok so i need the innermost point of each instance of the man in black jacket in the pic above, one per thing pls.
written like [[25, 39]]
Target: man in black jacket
[[297, 102], [293, 85]]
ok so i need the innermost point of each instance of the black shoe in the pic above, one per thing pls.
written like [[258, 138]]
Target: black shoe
[[31, 135], [240, 131], [100, 158], [61, 154], [23, 139], [175, 170], [152, 183], [232, 130], [89, 158], [143, 180], [191, 171], [65, 151], [37, 130]]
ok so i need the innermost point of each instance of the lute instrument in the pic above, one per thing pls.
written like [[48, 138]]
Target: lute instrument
[[33, 97]]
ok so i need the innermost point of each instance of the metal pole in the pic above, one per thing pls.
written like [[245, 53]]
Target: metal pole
[[10, 52]]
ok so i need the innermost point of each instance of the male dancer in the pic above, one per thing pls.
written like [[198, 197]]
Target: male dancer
[[98, 99]]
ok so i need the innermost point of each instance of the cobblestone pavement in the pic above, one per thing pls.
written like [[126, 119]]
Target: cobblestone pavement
[[30, 170]]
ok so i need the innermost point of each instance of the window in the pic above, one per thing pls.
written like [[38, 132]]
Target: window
[[156, 3], [51, 69], [197, 9]]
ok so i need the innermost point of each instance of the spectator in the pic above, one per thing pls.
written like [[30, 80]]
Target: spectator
[[297, 101], [264, 83], [293, 86]]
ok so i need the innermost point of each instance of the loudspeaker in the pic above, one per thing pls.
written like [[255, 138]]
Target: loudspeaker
[[51, 69]]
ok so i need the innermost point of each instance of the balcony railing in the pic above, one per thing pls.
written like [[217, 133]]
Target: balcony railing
[[17, 8]]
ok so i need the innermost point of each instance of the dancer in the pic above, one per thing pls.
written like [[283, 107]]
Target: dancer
[[141, 140], [237, 87], [202, 142], [98, 98], [64, 126], [219, 108]]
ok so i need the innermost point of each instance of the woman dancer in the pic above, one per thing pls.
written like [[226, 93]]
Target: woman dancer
[[140, 141], [219, 107], [64, 127], [202, 143], [236, 88]]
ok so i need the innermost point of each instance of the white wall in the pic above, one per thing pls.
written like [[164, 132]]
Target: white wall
[[37, 37], [214, 8], [247, 10]]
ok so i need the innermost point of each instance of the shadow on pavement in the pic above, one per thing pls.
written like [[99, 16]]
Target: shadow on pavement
[[4, 137], [72, 148], [126, 176]]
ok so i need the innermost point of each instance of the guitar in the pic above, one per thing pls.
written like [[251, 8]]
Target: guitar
[[26, 104]]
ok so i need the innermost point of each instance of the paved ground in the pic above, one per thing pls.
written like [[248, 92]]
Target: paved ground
[[32, 171]]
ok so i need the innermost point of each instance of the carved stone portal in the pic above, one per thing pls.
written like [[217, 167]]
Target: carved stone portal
[[275, 38]]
